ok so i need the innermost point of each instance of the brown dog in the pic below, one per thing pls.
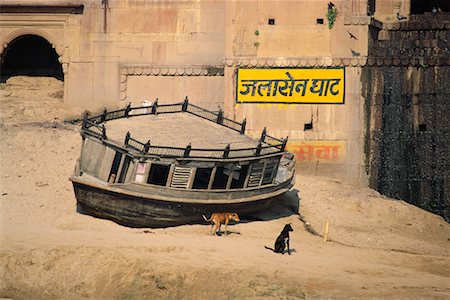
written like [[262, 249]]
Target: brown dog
[[218, 218]]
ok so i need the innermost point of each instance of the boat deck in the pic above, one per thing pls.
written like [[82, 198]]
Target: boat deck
[[177, 130]]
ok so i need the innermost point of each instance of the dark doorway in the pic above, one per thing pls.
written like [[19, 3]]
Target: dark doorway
[[221, 178], [202, 178], [115, 166], [158, 174], [30, 55]]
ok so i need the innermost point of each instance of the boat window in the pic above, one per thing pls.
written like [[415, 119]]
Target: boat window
[[181, 177], [158, 174], [239, 175], [255, 174], [221, 178], [115, 167], [140, 172], [202, 177], [269, 171]]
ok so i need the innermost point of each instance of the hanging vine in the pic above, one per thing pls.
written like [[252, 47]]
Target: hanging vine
[[331, 15]]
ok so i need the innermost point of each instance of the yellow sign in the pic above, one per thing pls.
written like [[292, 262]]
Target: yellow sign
[[291, 85], [314, 151]]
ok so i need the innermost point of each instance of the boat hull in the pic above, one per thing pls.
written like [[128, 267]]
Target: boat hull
[[142, 211]]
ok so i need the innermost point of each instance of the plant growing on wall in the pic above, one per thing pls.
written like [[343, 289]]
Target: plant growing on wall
[[331, 14], [256, 44]]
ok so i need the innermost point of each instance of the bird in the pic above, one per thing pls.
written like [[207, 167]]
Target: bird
[[330, 5], [354, 53], [400, 17], [352, 36], [434, 11]]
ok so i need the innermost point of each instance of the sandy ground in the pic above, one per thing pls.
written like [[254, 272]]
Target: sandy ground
[[380, 248]]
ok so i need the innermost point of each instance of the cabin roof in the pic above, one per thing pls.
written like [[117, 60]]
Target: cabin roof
[[177, 130]]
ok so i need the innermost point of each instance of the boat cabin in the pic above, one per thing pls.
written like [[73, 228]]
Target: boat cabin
[[190, 148]]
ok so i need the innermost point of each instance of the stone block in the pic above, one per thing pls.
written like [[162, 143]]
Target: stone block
[[384, 35]]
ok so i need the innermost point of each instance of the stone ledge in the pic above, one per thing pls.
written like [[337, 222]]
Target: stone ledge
[[362, 20], [42, 8], [417, 26], [150, 70], [265, 62], [318, 62]]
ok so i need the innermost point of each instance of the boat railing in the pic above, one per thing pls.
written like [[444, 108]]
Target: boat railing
[[167, 151], [168, 108], [156, 108], [267, 144], [93, 128], [218, 117], [239, 127], [272, 141], [135, 144], [202, 113], [224, 153]]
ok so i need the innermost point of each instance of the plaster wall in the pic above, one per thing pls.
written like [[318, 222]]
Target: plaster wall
[[298, 40], [94, 45]]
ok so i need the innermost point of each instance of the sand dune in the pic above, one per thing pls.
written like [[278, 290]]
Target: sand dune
[[379, 248]]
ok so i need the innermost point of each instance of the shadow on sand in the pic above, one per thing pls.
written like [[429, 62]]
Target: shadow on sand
[[286, 205], [230, 232]]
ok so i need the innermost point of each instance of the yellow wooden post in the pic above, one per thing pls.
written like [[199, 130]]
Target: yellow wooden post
[[327, 228]]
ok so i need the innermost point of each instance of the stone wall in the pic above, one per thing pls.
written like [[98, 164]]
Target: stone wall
[[407, 112]]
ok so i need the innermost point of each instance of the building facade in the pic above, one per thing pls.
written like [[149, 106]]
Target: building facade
[[265, 61]]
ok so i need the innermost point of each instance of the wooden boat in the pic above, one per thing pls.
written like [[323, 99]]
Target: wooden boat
[[197, 162]]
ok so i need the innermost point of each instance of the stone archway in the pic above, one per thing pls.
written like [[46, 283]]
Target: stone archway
[[30, 54]]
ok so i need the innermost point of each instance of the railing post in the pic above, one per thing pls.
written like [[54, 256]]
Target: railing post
[[103, 117], [244, 123], [187, 150], [226, 152], [155, 107], [104, 132], [127, 109], [146, 147], [184, 107], [84, 124], [258, 149], [220, 117], [283, 146], [263, 135], [127, 139]]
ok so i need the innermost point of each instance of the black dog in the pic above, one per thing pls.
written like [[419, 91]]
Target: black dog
[[282, 240]]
